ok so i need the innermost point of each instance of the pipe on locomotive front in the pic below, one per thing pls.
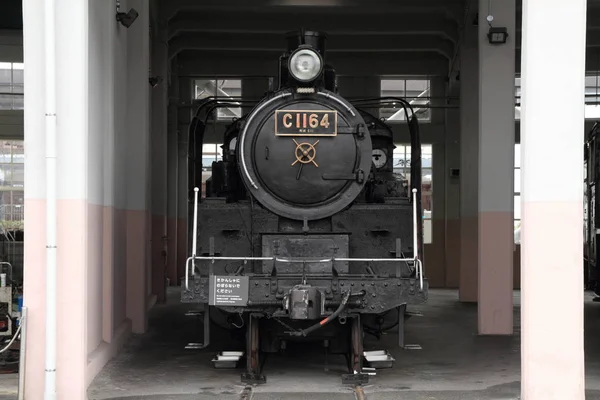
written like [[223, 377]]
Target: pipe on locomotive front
[[195, 227], [194, 238], [418, 263]]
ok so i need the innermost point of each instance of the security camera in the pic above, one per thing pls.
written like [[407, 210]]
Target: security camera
[[155, 80], [126, 19]]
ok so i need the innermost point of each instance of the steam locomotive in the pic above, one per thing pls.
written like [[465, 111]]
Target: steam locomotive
[[305, 233]]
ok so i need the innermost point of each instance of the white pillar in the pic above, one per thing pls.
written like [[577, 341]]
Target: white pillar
[[469, 156], [552, 351], [496, 170], [452, 187]]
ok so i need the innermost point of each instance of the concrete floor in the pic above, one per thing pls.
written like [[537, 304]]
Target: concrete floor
[[454, 362]]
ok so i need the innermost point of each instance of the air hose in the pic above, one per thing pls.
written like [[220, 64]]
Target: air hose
[[325, 321]]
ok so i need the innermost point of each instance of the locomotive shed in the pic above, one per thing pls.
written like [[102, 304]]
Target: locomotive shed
[[326, 199]]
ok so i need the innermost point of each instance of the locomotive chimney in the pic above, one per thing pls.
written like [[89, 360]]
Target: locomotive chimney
[[315, 39]]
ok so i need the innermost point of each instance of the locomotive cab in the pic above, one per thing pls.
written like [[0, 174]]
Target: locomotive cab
[[305, 234]]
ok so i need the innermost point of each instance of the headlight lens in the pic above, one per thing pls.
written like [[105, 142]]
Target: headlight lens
[[305, 65]]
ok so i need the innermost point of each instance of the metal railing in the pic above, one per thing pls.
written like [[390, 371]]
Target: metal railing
[[194, 257]]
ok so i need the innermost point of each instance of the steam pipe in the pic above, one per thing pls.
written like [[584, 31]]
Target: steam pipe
[[50, 117], [418, 263], [415, 222], [195, 228]]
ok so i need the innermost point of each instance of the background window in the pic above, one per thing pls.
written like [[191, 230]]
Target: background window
[[221, 88], [402, 160], [11, 184], [415, 91], [11, 86]]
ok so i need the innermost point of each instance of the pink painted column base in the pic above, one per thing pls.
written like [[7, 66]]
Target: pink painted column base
[[434, 262], [74, 233], [159, 271], [452, 251], [182, 249], [34, 297], [137, 228], [120, 267], [108, 260], [496, 273], [172, 251], [552, 345], [469, 239]]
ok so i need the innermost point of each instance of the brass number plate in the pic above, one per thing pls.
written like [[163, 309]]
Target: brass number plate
[[305, 123]]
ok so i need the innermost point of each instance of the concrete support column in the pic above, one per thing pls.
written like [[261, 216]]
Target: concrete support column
[[138, 167], [159, 159], [183, 121], [552, 345], [172, 175], [469, 158], [452, 186], [496, 171], [434, 256]]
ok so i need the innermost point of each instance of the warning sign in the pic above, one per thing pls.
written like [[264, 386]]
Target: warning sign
[[228, 290]]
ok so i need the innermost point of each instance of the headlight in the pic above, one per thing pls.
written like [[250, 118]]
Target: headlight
[[305, 65]]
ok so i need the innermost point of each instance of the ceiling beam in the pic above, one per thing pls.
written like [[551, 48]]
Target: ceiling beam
[[281, 23], [226, 64], [171, 8], [335, 44]]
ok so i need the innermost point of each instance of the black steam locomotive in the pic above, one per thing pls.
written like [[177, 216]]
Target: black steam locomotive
[[306, 233]]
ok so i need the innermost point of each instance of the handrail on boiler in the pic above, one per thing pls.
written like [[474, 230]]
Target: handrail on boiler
[[415, 258]]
